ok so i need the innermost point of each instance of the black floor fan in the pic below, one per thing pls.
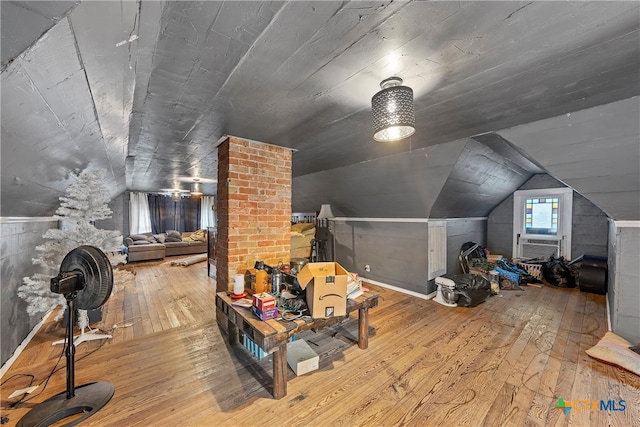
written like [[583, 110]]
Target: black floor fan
[[86, 281]]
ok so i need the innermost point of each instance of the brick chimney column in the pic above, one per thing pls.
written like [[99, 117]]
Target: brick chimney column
[[254, 207]]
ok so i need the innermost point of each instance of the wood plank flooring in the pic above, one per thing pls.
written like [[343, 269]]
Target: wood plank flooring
[[503, 363]]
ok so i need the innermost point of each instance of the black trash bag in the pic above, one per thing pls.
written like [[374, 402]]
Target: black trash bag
[[472, 289], [558, 273]]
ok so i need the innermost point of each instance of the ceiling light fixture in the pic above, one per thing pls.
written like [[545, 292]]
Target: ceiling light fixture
[[196, 188], [394, 117], [176, 196]]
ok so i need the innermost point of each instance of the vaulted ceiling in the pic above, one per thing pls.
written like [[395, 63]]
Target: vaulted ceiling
[[146, 89]]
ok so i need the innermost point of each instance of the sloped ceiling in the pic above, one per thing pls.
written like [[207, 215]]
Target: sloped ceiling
[[145, 89]]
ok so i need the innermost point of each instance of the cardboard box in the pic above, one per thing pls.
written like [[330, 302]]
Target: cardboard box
[[301, 358], [326, 288], [264, 301], [269, 313]]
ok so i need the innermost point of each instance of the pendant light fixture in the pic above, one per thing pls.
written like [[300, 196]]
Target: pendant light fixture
[[394, 117], [196, 187]]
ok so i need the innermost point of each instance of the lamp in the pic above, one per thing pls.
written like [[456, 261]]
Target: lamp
[[196, 188], [394, 117], [326, 212], [324, 232]]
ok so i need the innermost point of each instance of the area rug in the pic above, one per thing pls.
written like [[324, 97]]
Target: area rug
[[189, 260], [615, 350]]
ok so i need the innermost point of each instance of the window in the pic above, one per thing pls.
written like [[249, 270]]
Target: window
[[542, 223], [541, 215]]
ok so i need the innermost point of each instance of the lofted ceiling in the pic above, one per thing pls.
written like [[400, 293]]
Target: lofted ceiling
[[146, 89]]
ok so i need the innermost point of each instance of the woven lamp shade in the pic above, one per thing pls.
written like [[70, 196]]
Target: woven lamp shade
[[394, 117]]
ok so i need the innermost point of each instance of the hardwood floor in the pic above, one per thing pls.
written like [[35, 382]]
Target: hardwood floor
[[504, 362]]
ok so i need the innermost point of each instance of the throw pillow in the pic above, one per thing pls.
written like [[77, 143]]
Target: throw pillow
[[198, 236], [301, 227], [172, 239], [139, 237], [614, 350], [160, 238], [174, 233], [141, 242]]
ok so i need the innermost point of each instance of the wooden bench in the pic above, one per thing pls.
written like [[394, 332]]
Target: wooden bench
[[272, 335]]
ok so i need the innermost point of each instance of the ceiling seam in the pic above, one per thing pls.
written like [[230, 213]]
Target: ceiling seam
[[93, 103]]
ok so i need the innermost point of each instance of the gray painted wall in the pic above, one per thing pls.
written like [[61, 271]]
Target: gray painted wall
[[590, 228], [460, 231], [594, 151], [398, 252], [624, 281], [19, 240], [404, 185]]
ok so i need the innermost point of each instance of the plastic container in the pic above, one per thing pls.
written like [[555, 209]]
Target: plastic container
[[263, 281]]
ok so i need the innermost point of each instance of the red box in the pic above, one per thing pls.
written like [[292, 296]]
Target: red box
[[264, 301], [270, 313]]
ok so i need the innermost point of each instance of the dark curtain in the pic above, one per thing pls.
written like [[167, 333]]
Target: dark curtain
[[169, 215], [163, 213], [188, 214]]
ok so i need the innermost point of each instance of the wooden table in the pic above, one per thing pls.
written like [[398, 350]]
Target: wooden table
[[273, 335]]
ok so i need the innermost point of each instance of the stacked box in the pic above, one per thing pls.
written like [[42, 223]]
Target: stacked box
[[269, 313], [264, 301]]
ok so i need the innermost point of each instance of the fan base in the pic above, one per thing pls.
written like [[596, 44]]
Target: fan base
[[88, 400]]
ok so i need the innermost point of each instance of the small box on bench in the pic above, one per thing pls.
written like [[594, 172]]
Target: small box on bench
[[266, 314], [264, 301]]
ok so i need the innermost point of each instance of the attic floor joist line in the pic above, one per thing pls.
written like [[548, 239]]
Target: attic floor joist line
[[504, 362]]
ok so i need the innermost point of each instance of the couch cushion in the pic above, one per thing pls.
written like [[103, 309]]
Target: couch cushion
[[146, 247], [171, 244]]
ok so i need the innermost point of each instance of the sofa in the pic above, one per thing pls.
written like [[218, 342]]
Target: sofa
[[148, 246]]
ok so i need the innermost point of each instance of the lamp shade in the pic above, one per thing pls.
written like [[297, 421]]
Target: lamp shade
[[196, 189], [394, 117], [326, 212]]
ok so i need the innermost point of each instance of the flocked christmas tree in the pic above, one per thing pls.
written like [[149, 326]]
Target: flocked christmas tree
[[85, 202]]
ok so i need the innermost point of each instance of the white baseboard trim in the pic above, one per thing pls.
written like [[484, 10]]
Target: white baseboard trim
[[6, 365], [606, 301], [396, 288]]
